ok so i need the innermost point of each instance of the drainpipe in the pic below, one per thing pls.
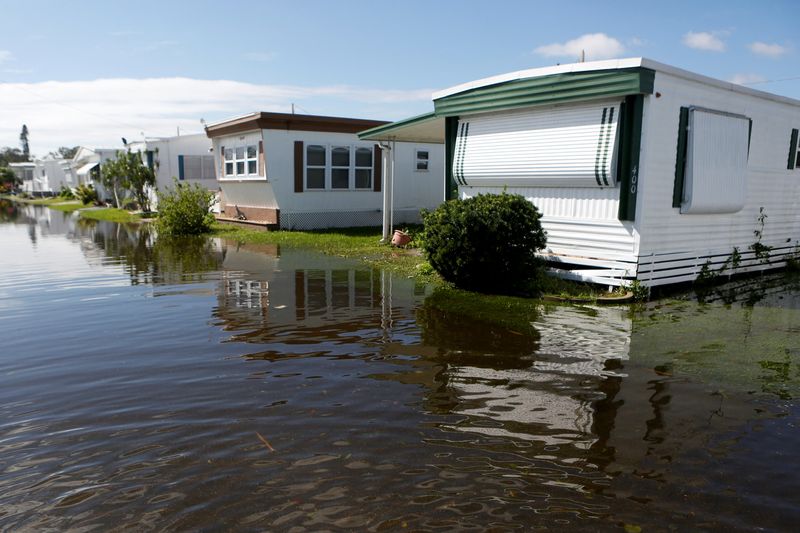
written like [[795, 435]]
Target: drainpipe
[[387, 159]]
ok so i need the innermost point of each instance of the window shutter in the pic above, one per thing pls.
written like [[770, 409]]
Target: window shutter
[[180, 167], [221, 161], [377, 168], [680, 159], [262, 164], [298, 166], [793, 150]]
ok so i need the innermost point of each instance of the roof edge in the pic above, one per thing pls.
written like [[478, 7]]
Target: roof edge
[[290, 121]]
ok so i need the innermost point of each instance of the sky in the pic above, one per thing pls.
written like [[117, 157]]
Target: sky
[[91, 72]]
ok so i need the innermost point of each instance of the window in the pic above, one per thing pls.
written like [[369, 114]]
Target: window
[[315, 166], [338, 167], [196, 167], [241, 161], [421, 157], [711, 167], [363, 168], [794, 151]]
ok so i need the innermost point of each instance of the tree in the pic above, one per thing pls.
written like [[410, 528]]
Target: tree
[[8, 180], [65, 152], [113, 176], [128, 171], [140, 177], [11, 155], [23, 139]]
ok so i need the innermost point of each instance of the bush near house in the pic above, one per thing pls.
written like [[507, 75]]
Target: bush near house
[[86, 194], [487, 243], [185, 210]]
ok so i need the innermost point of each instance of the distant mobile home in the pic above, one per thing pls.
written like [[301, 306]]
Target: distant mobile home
[[306, 171], [42, 177], [642, 171], [186, 158]]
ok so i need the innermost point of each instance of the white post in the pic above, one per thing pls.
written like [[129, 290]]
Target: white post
[[387, 159]]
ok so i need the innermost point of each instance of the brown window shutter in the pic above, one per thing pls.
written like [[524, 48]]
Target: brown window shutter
[[262, 163], [298, 166], [377, 169]]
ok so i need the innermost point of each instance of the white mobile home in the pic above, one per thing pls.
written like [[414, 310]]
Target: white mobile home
[[641, 170], [84, 169], [305, 172], [187, 158]]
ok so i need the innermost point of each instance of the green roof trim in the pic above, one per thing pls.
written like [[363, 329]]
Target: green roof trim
[[543, 90], [388, 128]]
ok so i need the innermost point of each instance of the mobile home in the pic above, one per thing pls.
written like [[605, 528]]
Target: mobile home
[[186, 158], [642, 171], [305, 171]]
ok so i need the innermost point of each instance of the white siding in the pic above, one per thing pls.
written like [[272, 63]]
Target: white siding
[[664, 230], [582, 228], [559, 146]]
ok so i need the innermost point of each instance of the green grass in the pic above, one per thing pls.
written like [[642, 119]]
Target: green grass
[[57, 203], [360, 243], [110, 214]]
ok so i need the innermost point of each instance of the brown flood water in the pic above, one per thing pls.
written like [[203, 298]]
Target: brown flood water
[[216, 386]]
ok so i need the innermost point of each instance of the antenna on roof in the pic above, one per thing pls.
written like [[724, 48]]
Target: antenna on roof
[[292, 108], [583, 56]]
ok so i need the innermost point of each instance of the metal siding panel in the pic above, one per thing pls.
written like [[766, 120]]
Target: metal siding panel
[[716, 163], [570, 146]]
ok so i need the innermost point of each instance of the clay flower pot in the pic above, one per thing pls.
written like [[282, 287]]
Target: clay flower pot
[[400, 238]]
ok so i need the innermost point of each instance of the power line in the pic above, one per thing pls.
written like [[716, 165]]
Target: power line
[[770, 81], [49, 100]]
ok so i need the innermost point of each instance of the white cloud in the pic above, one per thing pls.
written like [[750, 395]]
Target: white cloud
[[703, 40], [636, 41], [5, 55], [596, 46], [99, 112], [747, 79], [765, 49]]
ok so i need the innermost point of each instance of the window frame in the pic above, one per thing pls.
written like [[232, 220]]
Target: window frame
[[235, 160], [418, 159], [329, 167]]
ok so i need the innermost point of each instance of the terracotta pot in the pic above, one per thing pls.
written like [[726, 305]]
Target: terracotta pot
[[400, 238]]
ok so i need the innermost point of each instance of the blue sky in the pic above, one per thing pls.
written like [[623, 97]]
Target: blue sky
[[90, 72]]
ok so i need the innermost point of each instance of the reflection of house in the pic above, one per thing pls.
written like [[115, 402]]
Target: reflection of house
[[187, 158], [304, 172], [641, 170], [264, 294], [575, 345]]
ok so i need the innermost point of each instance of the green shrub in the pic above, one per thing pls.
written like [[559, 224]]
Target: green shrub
[[185, 210], [66, 193], [86, 194], [487, 243]]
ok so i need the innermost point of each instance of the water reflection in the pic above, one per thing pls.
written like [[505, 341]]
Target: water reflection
[[137, 391]]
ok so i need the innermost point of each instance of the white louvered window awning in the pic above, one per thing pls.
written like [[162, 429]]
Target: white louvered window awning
[[716, 162], [566, 146]]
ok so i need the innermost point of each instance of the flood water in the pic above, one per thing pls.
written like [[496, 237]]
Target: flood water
[[208, 385]]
